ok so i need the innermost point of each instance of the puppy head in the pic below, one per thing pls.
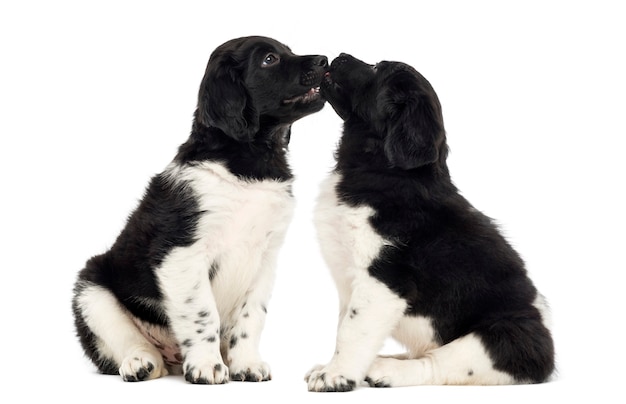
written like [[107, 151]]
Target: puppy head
[[254, 80], [393, 100]]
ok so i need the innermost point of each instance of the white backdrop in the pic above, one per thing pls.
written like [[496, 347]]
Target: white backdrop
[[96, 97]]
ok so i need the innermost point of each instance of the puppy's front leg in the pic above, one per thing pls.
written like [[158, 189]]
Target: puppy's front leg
[[244, 360], [193, 315], [243, 357], [372, 313]]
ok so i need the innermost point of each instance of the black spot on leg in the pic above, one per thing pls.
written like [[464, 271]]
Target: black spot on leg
[[470, 372], [213, 270], [187, 343], [210, 338], [189, 300], [264, 308], [353, 313], [246, 315], [200, 330], [244, 335], [233, 341], [203, 313]]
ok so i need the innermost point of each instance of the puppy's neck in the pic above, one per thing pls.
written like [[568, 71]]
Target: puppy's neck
[[274, 136], [264, 157]]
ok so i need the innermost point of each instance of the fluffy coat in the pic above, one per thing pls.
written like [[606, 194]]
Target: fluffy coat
[[411, 258], [185, 287]]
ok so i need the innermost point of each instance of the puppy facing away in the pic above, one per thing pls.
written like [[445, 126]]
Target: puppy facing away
[[185, 287], [411, 258]]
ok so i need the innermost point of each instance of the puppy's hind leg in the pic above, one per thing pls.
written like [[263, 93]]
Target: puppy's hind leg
[[463, 361], [110, 337]]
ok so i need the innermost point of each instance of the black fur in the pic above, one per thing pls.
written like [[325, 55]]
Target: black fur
[[449, 261], [243, 120]]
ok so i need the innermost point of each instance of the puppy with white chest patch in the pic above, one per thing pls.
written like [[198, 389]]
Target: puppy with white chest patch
[[411, 258], [186, 284]]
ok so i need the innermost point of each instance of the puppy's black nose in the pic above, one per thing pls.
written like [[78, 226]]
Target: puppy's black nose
[[321, 61]]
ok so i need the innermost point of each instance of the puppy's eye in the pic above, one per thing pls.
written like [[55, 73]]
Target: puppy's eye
[[270, 59]]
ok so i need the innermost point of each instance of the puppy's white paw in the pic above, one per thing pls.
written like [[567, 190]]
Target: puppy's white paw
[[251, 372], [313, 369], [328, 380], [142, 365], [381, 372], [206, 372]]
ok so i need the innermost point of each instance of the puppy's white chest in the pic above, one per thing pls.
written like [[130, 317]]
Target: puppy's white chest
[[240, 230], [238, 213], [254, 214], [347, 238]]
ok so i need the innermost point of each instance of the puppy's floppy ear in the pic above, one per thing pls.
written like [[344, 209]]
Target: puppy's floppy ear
[[224, 101], [413, 121]]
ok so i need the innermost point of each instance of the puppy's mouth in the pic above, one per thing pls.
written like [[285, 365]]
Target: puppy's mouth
[[328, 79], [312, 95], [329, 84]]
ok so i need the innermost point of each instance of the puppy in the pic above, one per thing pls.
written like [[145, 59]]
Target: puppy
[[186, 284], [411, 258]]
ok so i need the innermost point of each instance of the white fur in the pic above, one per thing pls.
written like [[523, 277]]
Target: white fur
[[368, 309], [118, 337], [241, 233], [462, 361], [348, 243], [541, 304], [416, 334], [238, 237], [371, 312]]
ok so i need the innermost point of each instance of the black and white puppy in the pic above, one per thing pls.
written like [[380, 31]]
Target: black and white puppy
[[186, 284], [411, 258]]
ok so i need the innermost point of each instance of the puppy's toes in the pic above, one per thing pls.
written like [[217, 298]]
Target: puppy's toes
[[214, 372], [142, 366], [380, 373], [377, 382], [325, 381], [315, 368], [258, 372]]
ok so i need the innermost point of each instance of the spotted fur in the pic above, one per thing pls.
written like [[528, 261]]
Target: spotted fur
[[185, 287]]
